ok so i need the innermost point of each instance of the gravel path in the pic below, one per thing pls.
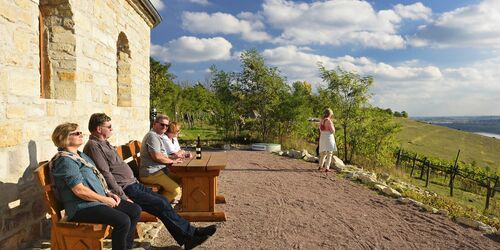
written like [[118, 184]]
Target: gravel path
[[280, 203]]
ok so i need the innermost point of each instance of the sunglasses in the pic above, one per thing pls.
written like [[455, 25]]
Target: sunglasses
[[77, 133], [163, 124], [108, 127]]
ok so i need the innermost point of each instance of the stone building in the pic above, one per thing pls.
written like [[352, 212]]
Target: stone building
[[62, 60]]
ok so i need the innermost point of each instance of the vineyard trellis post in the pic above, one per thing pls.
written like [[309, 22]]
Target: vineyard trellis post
[[488, 193], [495, 187], [398, 161], [453, 172], [422, 169], [428, 163], [413, 165]]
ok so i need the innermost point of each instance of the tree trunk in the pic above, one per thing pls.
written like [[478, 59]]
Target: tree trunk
[[345, 142]]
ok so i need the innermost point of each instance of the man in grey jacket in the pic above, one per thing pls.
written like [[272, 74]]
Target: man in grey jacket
[[121, 181]]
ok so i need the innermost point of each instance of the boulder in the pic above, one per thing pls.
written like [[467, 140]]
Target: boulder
[[385, 177], [337, 162], [379, 187], [391, 192], [295, 154], [466, 222], [368, 178], [403, 200], [352, 176], [443, 212], [311, 158]]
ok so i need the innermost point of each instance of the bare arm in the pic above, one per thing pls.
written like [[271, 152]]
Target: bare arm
[[85, 193], [159, 157], [332, 127]]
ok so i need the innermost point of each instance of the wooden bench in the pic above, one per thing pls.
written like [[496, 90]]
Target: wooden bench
[[130, 153], [64, 234]]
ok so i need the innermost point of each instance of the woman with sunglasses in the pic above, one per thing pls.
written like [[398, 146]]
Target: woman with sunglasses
[[83, 191], [172, 144]]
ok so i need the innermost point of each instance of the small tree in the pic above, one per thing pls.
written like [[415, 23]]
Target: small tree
[[262, 88], [350, 91], [163, 91]]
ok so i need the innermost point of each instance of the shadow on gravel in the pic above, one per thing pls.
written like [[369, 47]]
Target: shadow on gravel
[[164, 248], [271, 170], [493, 237]]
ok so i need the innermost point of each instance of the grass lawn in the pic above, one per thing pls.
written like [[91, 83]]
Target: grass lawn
[[206, 133]]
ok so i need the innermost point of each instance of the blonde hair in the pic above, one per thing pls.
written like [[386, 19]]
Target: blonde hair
[[327, 112], [61, 134], [173, 127], [161, 117]]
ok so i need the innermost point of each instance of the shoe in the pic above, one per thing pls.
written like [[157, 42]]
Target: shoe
[[202, 231], [195, 241]]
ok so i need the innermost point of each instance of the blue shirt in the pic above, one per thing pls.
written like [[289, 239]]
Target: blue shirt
[[67, 174]]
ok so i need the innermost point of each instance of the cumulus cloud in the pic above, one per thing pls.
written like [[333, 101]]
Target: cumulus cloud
[[192, 49], [202, 2], [414, 11], [158, 4], [470, 26], [250, 28], [339, 22], [410, 86]]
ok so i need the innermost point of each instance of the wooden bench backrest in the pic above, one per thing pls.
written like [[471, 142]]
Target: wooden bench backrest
[[131, 154], [52, 205]]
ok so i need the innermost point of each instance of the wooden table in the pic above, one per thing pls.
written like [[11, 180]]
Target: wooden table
[[199, 186]]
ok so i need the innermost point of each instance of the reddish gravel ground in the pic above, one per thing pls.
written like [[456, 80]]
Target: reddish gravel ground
[[275, 202]]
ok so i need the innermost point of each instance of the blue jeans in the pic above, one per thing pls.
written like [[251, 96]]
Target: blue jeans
[[123, 219], [158, 206]]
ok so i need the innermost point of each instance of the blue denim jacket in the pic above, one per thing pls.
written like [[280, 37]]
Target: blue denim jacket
[[67, 174]]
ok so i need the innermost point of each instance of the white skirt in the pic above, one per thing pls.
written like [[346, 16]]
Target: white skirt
[[327, 142]]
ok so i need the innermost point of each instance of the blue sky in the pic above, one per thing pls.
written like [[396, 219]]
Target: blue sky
[[428, 58]]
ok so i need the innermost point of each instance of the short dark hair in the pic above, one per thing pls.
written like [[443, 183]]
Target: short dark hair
[[96, 120]]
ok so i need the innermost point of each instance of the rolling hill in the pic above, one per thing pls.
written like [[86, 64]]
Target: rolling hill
[[443, 143]]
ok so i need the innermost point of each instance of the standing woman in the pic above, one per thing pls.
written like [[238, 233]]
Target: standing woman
[[326, 141], [83, 191]]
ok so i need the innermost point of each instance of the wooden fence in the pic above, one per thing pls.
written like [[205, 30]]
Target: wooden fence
[[427, 167]]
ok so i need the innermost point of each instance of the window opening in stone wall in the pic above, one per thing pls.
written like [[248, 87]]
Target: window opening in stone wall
[[124, 79], [57, 50], [44, 75]]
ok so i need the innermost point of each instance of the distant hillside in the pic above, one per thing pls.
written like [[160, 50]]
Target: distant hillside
[[486, 124], [443, 142]]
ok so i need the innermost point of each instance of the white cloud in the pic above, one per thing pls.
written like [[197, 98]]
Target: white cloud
[[192, 49], [414, 11], [158, 4], [202, 2], [417, 89], [223, 23], [339, 22], [470, 26]]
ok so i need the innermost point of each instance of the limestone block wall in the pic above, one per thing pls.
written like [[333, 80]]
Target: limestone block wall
[[81, 65]]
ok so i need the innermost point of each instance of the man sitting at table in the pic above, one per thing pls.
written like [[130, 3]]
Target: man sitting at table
[[155, 160], [122, 182]]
